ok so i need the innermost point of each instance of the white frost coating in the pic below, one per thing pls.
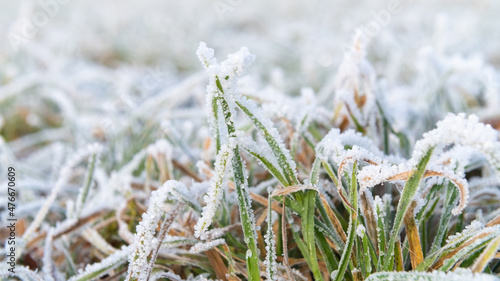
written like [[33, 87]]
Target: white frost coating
[[270, 239], [360, 231], [461, 130], [226, 74], [371, 203], [144, 239], [94, 238], [330, 145], [206, 55], [214, 194], [372, 175], [48, 263], [94, 151], [160, 147], [378, 203], [353, 155], [473, 227], [167, 275], [205, 246], [260, 149], [64, 177], [460, 183], [351, 137], [460, 274], [217, 232], [23, 272], [268, 126], [355, 80], [108, 263], [63, 226], [464, 133]]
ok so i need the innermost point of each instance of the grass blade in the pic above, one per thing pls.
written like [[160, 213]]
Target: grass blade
[[353, 222], [272, 137], [409, 192], [487, 255], [416, 254]]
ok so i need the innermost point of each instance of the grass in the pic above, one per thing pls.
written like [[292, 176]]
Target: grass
[[269, 196]]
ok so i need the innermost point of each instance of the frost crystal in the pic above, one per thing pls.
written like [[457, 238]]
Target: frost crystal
[[214, 193], [465, 131], [205, 246], [97, 269], [360, 231], [144, 239]]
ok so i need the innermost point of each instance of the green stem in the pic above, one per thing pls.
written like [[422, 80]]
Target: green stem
[[308, 232], [353, 223], [246, 215], [407, 195]]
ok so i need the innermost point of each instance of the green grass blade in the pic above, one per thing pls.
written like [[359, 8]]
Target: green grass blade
[[271, 266], [273, 139], [464, 252], [428, 276], [308, 231], [215, 112], [449, 203], [328, 224], [244, 201], [329, 257], [275, 171], [407, 195], [314, 175], [487, 255], [84, 191]]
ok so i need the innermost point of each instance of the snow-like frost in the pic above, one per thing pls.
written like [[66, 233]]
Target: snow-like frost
[[205, 246], [214, 193], [144, 239]]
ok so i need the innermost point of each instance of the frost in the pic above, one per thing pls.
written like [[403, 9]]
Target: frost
[[458, 275], [360, 231], [461, 130], [355, 82], [64, 177], [205, 246], [473, 227], [92, 129], [144, 239], [108, 263], [270, 240], [214, 193], [217, 232], [206, 55]]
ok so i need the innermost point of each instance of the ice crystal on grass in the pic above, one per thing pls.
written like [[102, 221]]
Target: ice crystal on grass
[[269, 237], [100, 268], [459, 275], [205, 246], [144, 239], [360, 231], [64, 177], [214, 193]]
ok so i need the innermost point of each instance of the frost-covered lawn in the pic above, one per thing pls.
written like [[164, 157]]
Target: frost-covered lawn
[[247, 140]]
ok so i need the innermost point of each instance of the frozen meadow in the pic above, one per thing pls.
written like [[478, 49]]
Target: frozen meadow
[[249, 140]]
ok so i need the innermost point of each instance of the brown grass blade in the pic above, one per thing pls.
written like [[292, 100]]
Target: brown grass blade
[[416, 254]]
